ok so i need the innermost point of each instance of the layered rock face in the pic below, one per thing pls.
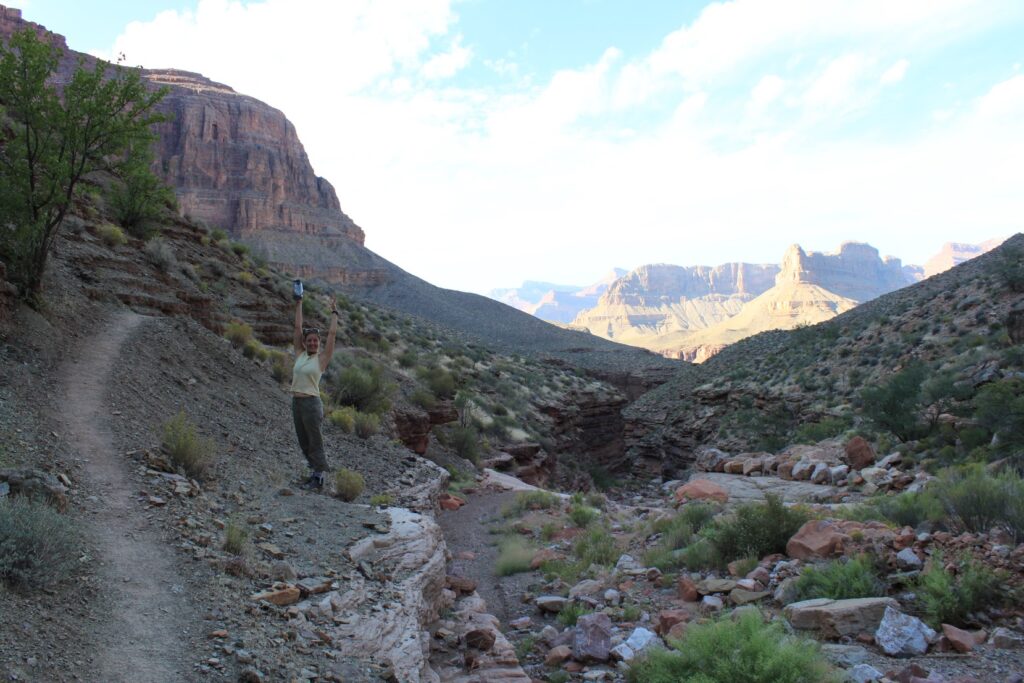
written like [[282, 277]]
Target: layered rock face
[[855, 272], [660, 299], [237, 163], [693, 313], [954, 253], [556, 303]]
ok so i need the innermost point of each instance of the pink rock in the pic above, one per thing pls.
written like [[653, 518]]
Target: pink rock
[[701, 489], [962, 641], [686, 589], [859, 453], [817, 538]]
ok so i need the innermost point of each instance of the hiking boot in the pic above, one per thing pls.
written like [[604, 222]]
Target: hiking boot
[[315, 482]]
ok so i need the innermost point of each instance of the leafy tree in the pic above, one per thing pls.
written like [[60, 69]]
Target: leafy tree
[[50, 141], [896, 405], [141, 197], [999, 407]]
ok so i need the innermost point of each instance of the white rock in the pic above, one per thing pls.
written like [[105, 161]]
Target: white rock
[[908, 559], [627, 563], [640, 639], [901, 635], [612, 597]]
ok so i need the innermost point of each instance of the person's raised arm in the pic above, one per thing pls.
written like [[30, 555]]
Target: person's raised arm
[[297, 338], [325, 357]]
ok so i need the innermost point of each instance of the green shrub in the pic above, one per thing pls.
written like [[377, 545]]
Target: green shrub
[[408, 358], [344, 418], [948, 598], [1010, 268], [999, 408], [754, 530], [533, 500], [112, 235], [571, 613], [903, 509], [366, 424], [253, 349], [558, 677], [975, 500], [160, 255], [582, 515], [364, 387], [895, 406], [187, 450], [466, 443], [218, 235], [596, 546], [733, 650], [280, 366], [239, 248], [38, 545], [140, 199], [514, 556], [826, 428], [348, 484], [235, 536], [439, 381], [424, 399], [848, 578], [382, 499], [238, 333]]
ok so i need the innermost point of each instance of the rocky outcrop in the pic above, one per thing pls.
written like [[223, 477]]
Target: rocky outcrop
[[659, 299], [237, 163], [855, 272], [954, 253], [555, 303], [589, 425]]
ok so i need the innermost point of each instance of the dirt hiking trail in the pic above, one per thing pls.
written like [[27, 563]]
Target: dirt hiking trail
[[145, 640]]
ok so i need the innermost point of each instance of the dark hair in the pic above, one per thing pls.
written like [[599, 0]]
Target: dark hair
[[306, 331]]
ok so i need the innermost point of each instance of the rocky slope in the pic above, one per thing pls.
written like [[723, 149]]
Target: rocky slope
[[763, 387], [954, 253]]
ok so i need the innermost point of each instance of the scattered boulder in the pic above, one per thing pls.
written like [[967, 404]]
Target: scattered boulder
[[823, 538], [838, 618], [283, 595], [908, 559], [700, 489], [557, 655], [592, 638], [709, 459], [1005, 639], [859, 453], [551, 603], [864, 673], [669, 618], [640, 639], [481, 639], [36, 485], [959, 640], [686, 589], [901, 635]]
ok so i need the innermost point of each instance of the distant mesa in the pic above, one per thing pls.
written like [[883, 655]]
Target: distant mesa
[[693, 312], [555, 303]]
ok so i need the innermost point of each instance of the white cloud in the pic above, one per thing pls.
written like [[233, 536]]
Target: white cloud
[[447, 64], [527, 178], [895, 73]]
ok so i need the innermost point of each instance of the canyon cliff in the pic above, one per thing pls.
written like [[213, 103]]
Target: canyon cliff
[[692, 313]]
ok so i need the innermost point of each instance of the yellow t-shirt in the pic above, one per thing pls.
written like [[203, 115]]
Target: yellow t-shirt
[[306, 375]]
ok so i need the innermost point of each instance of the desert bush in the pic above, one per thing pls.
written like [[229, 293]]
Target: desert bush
[[235, 537], [238, 333], [903, 509], [583, 515], [854, 577], [424, 399], [732, 650], [572, 612], [999, 408], [366, 425], [440, 382], [596, 546], [754, 530], [245, 277], [280, 366], [364, 387], [38, 545], [514, 556], [677, 532], [825, 428], [160, 255], [895, 405], [1010, 268], [975, 500], [408, 358], [949, 598], [465, 441], [111, 235], [382, 499], [239, 248], [187, 450], [348, 484], [533, 500], [218, 235], [253, 349], [344, 418]]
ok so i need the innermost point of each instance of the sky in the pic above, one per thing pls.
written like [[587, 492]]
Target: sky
[[481, 143]]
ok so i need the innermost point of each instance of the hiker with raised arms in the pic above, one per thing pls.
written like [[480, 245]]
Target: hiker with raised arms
[[307, 408]]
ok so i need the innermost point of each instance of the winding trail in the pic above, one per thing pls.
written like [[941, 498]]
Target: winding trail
[[146, 638]]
